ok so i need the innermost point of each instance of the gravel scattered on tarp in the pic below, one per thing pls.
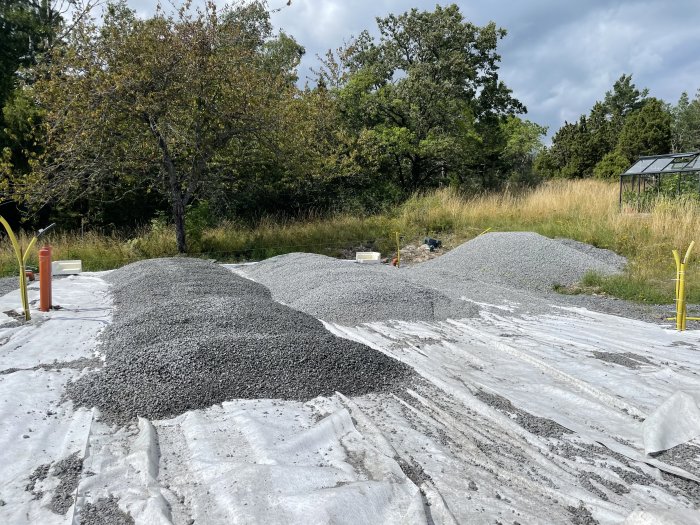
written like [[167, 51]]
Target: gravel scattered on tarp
[[524, 260], [539, 426], [581, 515], [349, 293], [39, 474], [189, 334], [105, 511], [685, 456], [68, 472], [628, 359], [75, 364]]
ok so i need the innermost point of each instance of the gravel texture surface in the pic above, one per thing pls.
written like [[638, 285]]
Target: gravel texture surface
[[523, 260], [515, 269], [188, 334], [606, 256], [628, 359], [39, 474], [348, 293], [539, 426], [7, 284], [581, 515], [685, 456], [105, 511], [68, 472], [520, 269]]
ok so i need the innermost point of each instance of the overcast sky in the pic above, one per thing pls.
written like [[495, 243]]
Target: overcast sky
[[559, 57]]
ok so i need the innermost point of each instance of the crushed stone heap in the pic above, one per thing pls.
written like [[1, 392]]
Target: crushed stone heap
[[523, 260], [188, 334], [348, 293]]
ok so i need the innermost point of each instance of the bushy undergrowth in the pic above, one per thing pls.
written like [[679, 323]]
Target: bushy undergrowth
[[585, 210]]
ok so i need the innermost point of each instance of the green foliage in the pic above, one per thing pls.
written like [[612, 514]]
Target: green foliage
[[611, 166], [178, 104], [629, 287], [685, 127], [647, 131], [523, 143], [199, 218], [625, 125], [423, 105], [578, 148], [28, 31]]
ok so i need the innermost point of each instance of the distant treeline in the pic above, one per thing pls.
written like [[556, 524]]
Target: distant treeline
[[197, 115]]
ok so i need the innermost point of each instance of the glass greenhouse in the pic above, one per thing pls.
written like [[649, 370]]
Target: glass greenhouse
[[673, 174]]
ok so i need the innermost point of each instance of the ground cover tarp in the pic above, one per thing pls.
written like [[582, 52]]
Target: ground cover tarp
[[516, 418]]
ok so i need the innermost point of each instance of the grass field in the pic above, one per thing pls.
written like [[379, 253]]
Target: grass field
[[585, 210]]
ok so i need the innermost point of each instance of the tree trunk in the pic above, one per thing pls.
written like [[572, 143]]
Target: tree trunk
[[416, 175], [176, 197], [179, 219]]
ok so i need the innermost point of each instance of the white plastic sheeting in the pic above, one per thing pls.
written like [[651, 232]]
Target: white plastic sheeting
[[435, 452], [37, 426], [675, 422]]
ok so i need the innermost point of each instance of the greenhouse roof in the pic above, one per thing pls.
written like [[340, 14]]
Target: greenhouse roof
[[670, 163]]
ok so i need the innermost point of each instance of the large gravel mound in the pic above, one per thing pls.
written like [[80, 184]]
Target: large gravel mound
[[188, 334], [348, 293], [523, 260]]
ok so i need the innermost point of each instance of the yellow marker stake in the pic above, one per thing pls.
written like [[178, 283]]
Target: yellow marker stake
[[684, 313], [677, 258], [22, 273], [681, 306]]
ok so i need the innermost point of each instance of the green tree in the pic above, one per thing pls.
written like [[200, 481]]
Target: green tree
[[424, 102], [685, 125], [176, 104], [612, 165], [523, 145], [578, 148], [570, 155], [646, 131]]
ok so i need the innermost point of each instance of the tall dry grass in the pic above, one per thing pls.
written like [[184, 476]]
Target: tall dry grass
[[585, 210]]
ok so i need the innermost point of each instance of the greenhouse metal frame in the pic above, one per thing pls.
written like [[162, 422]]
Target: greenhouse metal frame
[[651, 172]]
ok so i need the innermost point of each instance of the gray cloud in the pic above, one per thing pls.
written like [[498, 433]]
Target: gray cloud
[[559, 56]]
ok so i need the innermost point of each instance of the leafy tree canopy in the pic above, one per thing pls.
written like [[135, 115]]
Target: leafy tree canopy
[[425, 98], [626, 123], [174, 104], [685, 127]]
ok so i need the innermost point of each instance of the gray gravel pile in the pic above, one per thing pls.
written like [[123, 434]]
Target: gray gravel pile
[[188, 334], [350, 293], [599, 254], [522, 260]]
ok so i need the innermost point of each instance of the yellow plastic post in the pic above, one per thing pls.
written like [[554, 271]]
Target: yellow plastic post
[[398, 251], [681, 306], [677, 258], [22, 272], [684, 312]]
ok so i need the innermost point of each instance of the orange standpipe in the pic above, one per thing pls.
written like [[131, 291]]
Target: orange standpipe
[[45, 278]]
